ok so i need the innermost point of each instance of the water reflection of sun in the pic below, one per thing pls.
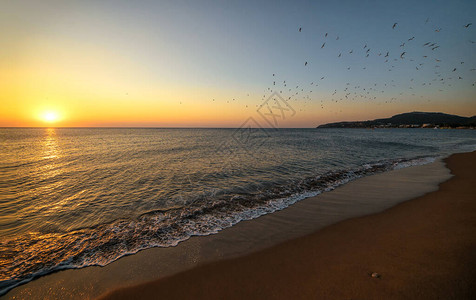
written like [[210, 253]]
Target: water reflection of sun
[[50, 144]]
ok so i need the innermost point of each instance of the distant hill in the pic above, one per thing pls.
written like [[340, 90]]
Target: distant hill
[[411, 119]]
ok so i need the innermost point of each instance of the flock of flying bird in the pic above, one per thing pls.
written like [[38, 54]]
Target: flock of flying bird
[[376, 90]]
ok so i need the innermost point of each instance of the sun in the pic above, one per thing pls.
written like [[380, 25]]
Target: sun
[[50, 116]]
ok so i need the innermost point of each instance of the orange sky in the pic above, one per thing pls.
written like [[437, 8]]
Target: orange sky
[[93, 66]]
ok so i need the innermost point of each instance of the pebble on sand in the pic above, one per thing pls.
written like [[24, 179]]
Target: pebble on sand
[[375, 275]]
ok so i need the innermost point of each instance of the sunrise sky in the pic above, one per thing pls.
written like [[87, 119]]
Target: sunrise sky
[[211, 63]]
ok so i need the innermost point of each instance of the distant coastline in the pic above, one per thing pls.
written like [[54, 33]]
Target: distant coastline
[[411, 120]]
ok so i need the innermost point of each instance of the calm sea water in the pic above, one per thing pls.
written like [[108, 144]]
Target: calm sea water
[[78, 197]]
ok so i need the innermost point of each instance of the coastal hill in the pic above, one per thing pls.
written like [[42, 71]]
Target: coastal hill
[[411, 120]]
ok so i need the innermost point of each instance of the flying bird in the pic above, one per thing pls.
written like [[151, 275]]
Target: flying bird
[[411, 39], [394, 25], [323, 45], [300, 29], [401, 55], [467, 25], [305, 64], [325, 35]]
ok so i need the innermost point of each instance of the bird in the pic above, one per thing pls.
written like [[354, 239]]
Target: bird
[[394, 25], [340, 54], [426, 44], [386, 55], [351, 51], [401, 55], [467, 25], [325, 35], [305, 64], [454, 70], [323, 45], [411, 39], [300, 29], [402, 45]]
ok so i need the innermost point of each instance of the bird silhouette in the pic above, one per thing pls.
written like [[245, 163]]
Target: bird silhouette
[[305, 64], [394, 25], [323, 45], [300, 29], [467, 25], [401, 55]]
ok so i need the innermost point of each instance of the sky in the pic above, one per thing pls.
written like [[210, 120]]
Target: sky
[[220, 63]]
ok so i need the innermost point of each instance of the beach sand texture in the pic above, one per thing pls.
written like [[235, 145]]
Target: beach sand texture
[[422, 249]]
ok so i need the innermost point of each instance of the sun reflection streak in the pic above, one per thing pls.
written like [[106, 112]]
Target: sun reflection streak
[[50, 144]]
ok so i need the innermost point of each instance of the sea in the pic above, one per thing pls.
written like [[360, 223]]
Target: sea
[[77, 197]]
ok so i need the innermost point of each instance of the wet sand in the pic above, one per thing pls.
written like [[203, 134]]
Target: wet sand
[[422, 249]]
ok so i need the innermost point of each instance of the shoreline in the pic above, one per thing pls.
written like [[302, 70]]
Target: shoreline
[[423, 248], [243, 238]]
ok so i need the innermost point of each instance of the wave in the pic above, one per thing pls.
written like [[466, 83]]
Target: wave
[[26, 257]]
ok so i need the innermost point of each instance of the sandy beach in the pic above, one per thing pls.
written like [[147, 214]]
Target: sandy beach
[[421, 249]]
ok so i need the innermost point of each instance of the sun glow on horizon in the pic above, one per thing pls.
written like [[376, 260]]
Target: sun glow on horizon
[[50, 116]]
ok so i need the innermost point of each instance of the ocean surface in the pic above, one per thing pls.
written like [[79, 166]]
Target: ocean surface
[[71, 198]]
